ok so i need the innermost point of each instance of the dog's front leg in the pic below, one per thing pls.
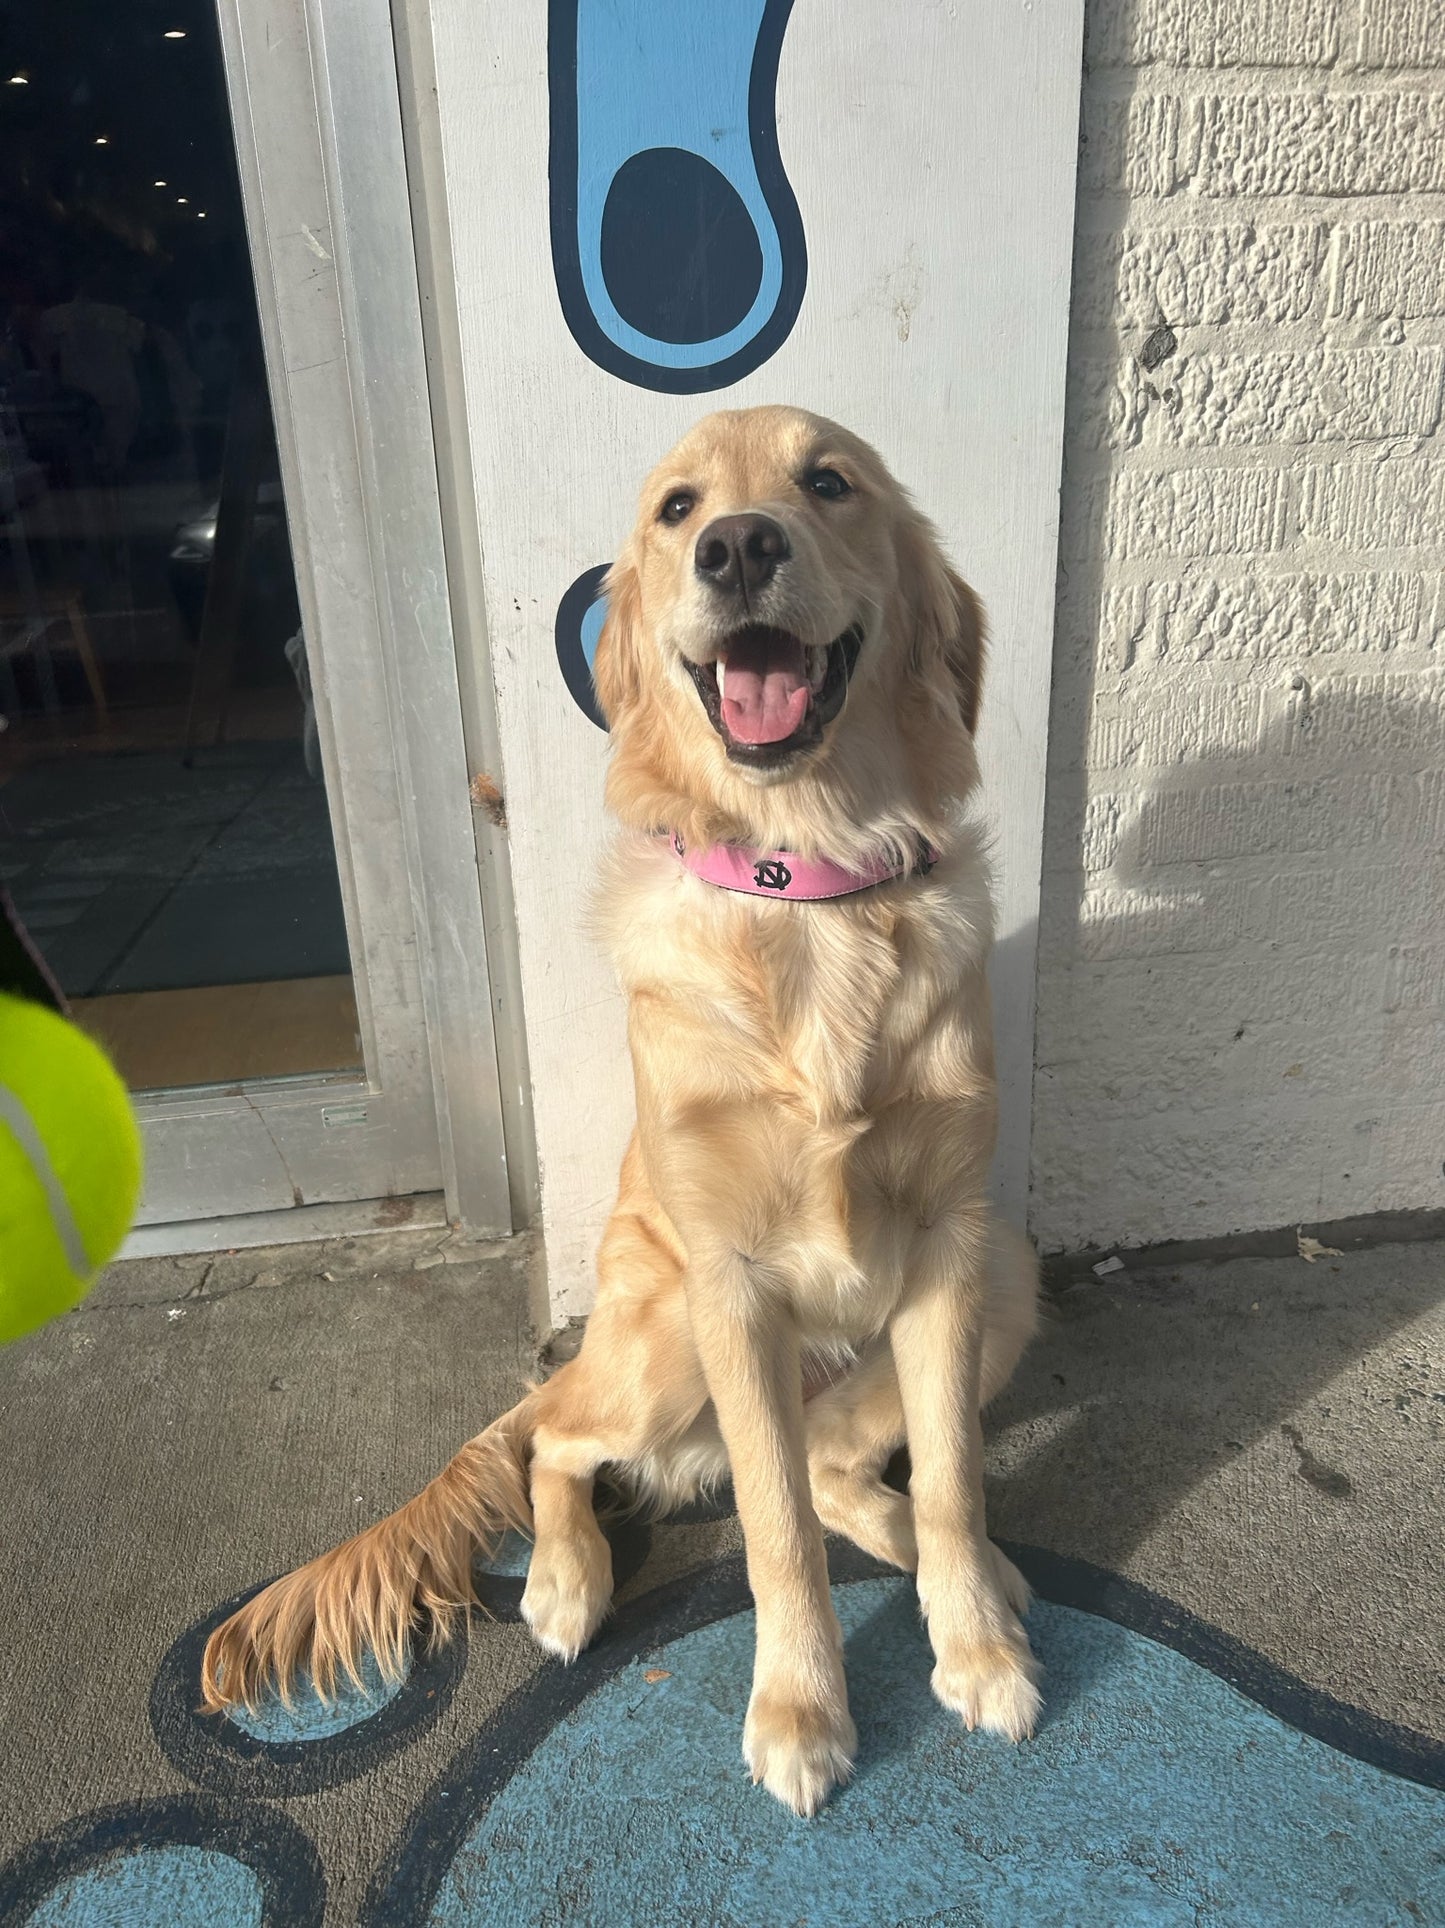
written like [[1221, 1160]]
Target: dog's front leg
[[985, 1670], [799, 1738]]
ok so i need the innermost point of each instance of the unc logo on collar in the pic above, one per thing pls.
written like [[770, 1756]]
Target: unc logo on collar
[[771, 874]]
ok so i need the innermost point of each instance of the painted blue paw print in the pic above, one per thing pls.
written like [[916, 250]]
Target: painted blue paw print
[[223, 1858], [312, 1744], [1177, 1777], [677, 244], [188, 1862], [1155, 1793]]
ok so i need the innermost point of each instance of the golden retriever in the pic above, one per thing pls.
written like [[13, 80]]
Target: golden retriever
[[789, 669]]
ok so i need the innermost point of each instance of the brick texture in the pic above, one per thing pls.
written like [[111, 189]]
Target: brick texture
[[1235, 272], [1401, 33], [1282, 145], [1185, 513], [1223, 401], [1214, 33], [1242, 944], [1400, 505], [1389, 268], [1265, 616]]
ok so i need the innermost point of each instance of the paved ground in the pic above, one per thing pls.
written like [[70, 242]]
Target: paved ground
[[1262, 1442]]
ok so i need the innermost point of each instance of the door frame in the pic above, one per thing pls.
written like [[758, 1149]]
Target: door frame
[[316, 118]]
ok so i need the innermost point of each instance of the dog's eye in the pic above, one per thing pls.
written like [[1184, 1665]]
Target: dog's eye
[[826, 483], [678, 507]]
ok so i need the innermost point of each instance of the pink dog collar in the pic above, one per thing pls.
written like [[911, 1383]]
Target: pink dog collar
[[781, 873]]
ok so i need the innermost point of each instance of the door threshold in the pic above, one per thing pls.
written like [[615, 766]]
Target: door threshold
[[422, 1211]]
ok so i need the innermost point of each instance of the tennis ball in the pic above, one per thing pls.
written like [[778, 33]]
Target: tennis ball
[[70, 1165]]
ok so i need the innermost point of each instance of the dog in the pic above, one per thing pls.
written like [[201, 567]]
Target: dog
[[798, 908]]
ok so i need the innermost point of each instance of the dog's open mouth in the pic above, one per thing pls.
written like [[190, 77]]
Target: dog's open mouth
[[768, 696]]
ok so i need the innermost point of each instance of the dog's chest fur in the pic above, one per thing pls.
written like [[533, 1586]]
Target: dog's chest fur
[[845, 1007], [848, 1034]]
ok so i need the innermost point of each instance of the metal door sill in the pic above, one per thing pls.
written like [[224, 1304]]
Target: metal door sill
[[421, 1211]]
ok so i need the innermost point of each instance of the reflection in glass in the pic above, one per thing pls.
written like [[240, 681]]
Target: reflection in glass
[[164, 829]]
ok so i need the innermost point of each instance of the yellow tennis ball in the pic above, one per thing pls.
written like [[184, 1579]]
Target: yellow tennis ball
[[70, 1165]]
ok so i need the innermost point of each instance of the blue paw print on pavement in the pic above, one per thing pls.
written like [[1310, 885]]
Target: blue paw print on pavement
[[1154, 1796], [281, 1751], [187, 1862], [310, 1718], [221, 1858], [1177, 1777], [677, 244]]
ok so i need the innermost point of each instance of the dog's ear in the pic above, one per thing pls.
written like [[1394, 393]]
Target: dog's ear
[[617, 668], [946, 621], [964, 648]]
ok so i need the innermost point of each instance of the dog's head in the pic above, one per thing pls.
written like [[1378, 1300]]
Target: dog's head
[[783, 634]]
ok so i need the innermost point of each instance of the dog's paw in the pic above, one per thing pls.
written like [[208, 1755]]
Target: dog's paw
[[993, 1686], [798, 1750], [869, 1514], [1016, 1589], [568, 1592]]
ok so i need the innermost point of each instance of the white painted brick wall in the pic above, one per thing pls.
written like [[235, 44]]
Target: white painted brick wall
[[1242, 945]]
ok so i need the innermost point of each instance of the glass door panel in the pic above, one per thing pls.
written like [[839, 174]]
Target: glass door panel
[[206, 819], [164, 830]]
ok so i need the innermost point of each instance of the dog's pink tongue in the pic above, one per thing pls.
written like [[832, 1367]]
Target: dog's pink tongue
[[765, 686]]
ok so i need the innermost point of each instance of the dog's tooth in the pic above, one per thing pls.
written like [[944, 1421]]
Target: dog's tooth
[[817, 666], [722, 673]]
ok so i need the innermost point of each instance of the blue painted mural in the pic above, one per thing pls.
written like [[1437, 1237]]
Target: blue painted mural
[[182, 1863], [1154, 1793], [1178, 1777], [677, 245], [1141, 1800], [580, 616]]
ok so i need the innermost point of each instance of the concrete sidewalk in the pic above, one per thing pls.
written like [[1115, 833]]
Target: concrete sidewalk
[[1261, 1441]]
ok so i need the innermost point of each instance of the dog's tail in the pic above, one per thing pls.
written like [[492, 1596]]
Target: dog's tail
[[410, 1573]]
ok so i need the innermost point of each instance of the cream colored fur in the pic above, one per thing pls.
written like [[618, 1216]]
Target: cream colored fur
[[809, 1173]]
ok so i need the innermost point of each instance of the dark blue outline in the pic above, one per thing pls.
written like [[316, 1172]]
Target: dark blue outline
[[282, 1857], [777, 192], [567, 635], [215, 1753], [1402, 1751], [405, 1886]]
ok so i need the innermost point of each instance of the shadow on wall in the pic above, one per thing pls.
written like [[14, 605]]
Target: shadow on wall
[[1241, 1019], [1241, 1012], [1239, 1027]]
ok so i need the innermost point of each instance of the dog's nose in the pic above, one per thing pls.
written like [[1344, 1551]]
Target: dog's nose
[[740, 551]]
